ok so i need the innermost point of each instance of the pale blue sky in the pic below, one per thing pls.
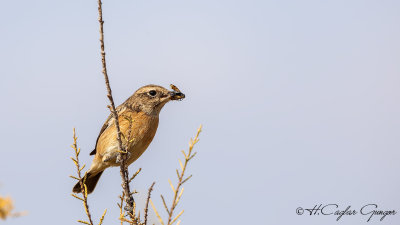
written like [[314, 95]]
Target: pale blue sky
[[299, 102]]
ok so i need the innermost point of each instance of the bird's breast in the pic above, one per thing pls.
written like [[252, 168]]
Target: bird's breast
[[143, 129], [137, 131]]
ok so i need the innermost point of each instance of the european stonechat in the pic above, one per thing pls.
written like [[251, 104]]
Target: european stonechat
[[138, 119]]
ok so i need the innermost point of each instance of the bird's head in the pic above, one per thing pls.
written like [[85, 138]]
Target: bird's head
[[152, 98]]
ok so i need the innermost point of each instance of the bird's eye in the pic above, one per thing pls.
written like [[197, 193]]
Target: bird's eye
[[152, 93]]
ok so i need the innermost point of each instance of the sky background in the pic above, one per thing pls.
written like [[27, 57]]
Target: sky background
[[299, 102]]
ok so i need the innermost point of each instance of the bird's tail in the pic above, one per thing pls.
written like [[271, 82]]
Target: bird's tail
[[90, 181]]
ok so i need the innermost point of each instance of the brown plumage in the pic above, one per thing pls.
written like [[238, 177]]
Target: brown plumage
[[138, 120]]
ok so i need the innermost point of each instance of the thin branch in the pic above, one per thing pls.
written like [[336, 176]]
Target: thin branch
[[81, 182], [165, 204], [178, 191], [134, 175], [146, 209], [102, 217], [120, 206], [123, 156]]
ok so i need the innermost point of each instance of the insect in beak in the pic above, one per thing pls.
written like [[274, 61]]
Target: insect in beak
[[176, 94]]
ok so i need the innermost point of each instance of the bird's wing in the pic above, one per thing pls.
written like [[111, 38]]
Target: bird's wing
[[108, 123]]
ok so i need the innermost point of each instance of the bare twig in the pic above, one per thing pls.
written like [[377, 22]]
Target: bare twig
[[165, 204], [178, 191], [81, 181], [102, 217], [134, 175], [103, 60], [123, 156], [146, 209], [120, 206]]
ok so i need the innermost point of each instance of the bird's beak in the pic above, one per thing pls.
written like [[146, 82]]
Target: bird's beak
[[176, 95]]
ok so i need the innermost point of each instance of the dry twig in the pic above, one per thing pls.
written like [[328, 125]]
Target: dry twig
[[123, 153], [178, 191], [146, 209], [82, 183]]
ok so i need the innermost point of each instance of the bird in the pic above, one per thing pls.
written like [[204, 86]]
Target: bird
[[138, 119]]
